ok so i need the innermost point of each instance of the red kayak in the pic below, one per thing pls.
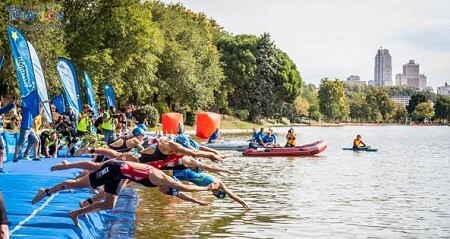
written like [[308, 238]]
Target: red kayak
[[304, 150]]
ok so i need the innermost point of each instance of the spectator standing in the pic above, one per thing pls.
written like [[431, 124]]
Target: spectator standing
[[109, 125], [3, 110]]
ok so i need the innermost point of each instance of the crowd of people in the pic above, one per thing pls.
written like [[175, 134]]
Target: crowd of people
[[44, 139]]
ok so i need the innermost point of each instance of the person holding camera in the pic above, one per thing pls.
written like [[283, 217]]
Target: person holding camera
[[64, 127], [109, 124], [84, 121]]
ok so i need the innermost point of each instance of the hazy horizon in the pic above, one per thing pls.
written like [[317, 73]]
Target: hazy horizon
[[340, 38]]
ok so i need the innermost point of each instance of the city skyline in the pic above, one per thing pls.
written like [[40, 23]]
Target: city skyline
[[338, 38]]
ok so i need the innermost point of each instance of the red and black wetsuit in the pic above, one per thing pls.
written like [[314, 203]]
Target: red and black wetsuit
[[112, 171]]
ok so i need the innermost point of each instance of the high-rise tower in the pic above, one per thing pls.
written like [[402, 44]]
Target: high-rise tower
[[383, 68]]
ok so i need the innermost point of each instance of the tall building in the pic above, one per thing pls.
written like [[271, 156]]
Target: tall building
[[354, 80], [411, 77], [383, 68], [444, 90]]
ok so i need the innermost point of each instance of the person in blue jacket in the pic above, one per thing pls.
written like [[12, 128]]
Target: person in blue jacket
[[3, 110], [215, 136], [270, 139]]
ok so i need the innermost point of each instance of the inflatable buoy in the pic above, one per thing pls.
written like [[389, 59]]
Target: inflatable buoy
[[207, 122], [170, 122]]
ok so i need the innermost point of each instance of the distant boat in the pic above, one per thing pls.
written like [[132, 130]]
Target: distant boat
[[303, 150], [228, 145]]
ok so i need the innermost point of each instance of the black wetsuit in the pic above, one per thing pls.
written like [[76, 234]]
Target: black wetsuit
[[122, 148], [112, 171]]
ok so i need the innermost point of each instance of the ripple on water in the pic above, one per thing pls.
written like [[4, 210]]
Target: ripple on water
[[401, 191]]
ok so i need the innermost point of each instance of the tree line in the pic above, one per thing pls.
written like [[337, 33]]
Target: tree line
[[157, 54], [333, 101]]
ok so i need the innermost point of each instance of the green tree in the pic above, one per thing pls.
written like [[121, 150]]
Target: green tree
[[415, 100], [400, 113], [380, 103], [189, 72], [332, 101], [423, 110], [442, 108], [359, 109], [117, 42]]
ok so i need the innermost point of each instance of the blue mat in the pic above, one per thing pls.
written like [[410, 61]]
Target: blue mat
[[49, 218]]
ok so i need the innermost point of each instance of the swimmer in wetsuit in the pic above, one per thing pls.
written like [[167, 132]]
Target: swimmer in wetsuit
[[162, 150], [109, 174], [125, 144]]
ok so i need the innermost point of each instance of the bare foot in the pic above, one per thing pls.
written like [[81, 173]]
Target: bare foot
[[74, 218], [39, 196], [59, 166], [82, 151]]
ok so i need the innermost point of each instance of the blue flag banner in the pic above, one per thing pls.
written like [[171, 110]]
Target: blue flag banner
[[2, 59], [24, 70], [109, 94], [40, 83], [58, 101], [90, 93], [69, 79]]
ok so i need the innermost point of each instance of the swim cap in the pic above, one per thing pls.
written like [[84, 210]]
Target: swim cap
[[183, 140], [142, 126], [173, 191], [220, 194], [138, 131]]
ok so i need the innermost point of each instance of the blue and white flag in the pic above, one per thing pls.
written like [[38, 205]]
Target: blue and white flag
[[69, 79], [110, 95], [90, 93], [58, 101], [40, 83], [24, 70]]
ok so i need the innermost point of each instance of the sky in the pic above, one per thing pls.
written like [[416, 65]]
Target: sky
[[339, 38]]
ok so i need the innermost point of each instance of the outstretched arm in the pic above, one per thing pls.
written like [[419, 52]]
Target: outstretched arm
[[88, 165], [208, 149], [178, 148], [234, 196], [193, 163]]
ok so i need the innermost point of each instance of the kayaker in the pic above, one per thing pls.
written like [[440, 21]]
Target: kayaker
[[291, 138], [358, 142], [216, 135]]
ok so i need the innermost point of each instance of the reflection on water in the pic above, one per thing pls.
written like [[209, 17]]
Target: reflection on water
[[400, 191]]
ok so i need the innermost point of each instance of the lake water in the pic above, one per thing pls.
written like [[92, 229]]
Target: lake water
[[401, 191]]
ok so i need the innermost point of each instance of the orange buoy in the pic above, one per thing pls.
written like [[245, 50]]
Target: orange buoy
[[170, 122], [207, 122]]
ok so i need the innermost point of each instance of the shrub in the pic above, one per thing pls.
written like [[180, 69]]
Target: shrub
[[162, 107], [148, 115], [190, 118], [242, 114]]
